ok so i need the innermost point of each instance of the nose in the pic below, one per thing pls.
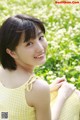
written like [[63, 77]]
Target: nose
[[39, 47]]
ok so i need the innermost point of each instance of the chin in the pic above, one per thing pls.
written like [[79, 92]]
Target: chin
[[41, 63]]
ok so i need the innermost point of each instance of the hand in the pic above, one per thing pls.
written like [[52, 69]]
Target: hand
[[56, 84], [78, 93], [66, 90]]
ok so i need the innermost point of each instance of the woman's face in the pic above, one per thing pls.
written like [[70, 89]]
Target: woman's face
[[33, 52]]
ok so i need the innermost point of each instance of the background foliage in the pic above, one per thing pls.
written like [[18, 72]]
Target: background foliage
[[62, 24]]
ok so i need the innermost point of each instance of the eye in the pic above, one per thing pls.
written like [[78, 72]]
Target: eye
[[29, 44], [41, 37]]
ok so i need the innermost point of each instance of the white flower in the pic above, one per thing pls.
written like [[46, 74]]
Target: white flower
[[72, 79], [77, 68]]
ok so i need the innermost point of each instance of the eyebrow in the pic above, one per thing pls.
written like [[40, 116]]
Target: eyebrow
[[40, 32]]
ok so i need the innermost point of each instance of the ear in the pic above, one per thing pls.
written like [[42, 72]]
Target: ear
[[11, 53]]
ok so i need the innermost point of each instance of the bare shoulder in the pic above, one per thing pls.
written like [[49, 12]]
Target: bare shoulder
[[39, 93], [40, 85], [39, 98]]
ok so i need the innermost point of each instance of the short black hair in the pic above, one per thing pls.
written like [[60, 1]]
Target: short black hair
[[10, 33]]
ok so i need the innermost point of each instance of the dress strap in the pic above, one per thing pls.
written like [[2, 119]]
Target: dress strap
[[30, 82]]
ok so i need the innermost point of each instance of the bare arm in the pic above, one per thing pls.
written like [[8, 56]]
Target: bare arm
[[39, 98], [42, 103], [64, 92], [78, 93]]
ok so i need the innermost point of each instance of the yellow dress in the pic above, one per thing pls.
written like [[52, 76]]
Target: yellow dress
[[71, 108], [13, 104]]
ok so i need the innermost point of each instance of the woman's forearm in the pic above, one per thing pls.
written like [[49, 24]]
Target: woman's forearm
[[57, 108], [63, 94]]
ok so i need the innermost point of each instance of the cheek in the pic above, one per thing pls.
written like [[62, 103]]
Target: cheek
[[45, 44]]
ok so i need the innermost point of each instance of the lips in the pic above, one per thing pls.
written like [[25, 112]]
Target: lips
[[39, 56]]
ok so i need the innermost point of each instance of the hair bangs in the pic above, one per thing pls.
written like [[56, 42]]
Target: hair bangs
[[30, 30]]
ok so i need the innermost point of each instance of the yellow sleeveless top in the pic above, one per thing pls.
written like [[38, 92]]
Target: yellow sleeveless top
[[71, 108], [13, 105]]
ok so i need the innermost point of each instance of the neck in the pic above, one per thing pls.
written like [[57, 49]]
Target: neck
[[16, 77], [20, 71], [24, 70]]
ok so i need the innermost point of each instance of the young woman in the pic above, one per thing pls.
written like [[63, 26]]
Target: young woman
[[23, 95]]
